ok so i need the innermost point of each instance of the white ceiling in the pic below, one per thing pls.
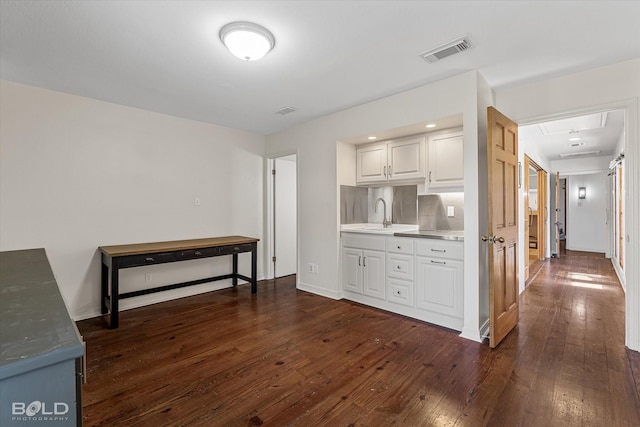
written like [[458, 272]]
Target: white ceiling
[[165, 56], [599, 135]]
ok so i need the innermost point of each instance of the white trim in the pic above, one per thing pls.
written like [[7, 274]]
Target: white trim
[[484, 330], [269, 235], [318, 291]]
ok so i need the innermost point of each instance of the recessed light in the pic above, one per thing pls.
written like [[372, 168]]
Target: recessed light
[[372, 137], [576, 144], [430, 125], [575, 138]]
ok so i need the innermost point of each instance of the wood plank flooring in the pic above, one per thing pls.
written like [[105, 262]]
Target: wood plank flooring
[[289, 358]]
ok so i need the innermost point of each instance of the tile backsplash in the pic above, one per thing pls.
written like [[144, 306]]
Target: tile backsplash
[[353, 205], [433, 210], [404, 206]]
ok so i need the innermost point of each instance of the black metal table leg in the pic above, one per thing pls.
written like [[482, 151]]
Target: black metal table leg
[[254, 268], [104, 285], [114, 293], [234, 281]]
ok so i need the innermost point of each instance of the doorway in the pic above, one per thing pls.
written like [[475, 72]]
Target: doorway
[[283, 221], [536, 214]]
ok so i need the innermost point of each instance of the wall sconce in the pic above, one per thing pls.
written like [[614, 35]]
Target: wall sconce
[[582, 193]]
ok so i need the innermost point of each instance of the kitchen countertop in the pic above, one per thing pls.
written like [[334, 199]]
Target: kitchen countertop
[[376, 228], [403, 230], [456, 235]]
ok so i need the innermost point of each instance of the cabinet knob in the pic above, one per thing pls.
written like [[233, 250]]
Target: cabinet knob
[[399, 247], [398, 267]]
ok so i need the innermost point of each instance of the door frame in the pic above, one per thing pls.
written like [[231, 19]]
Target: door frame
[[631, 205], [269, 218]]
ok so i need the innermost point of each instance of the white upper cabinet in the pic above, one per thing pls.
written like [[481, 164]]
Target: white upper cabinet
[[371, 163], [446, 165], [391, 161]]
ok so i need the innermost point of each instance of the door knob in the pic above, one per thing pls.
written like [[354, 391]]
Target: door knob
[[492, 239]]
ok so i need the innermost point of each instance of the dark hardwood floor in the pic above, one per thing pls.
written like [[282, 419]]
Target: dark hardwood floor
[[286, 357]]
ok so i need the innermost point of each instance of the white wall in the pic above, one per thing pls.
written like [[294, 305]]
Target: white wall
[[586, 219], [317, 148], [601, 89], [589, 165], [77, 173]]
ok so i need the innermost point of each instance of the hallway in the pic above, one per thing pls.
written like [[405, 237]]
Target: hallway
[[572, 330]]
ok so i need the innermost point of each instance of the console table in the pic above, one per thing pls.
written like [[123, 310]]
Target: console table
[[118, 257]]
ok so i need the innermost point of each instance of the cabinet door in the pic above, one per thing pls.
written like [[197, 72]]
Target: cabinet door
[[371, 163], [439, 286], [373, 276], [446, 165], [352, 270], [407, 159]]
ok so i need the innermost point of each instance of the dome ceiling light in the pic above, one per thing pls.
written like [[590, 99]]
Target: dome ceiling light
[[246, 40]]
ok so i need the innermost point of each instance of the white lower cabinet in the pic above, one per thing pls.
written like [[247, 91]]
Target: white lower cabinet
[[439, 285], [415, 277], [363, 267]]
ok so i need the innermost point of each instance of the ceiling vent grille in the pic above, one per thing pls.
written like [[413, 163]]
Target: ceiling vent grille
[[581, 154], [448, 49], [285, 110]]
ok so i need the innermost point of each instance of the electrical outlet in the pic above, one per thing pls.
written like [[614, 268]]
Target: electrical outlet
[[450, 211], [148, 277], [196, 201], [310, 268]]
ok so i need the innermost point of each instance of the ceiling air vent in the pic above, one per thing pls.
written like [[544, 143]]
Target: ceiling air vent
[[447, 49], [581, 154], [285, 110]]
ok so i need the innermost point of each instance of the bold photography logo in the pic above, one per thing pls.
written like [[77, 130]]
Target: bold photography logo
[[55, 411]]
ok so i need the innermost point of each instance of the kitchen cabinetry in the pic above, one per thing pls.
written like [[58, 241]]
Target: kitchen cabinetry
[[420, 278], [439, 277], [391, 161], [363, 265], [446, 166], [400, 274]]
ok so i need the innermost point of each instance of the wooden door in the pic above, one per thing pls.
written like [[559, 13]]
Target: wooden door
[[557, 215], [528, 213], [620, 222], [502, 153], [543, 213]]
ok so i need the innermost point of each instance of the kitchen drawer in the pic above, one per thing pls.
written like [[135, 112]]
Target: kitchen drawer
[[440, 249], [400, 292], [400, 245], [363, 241], [197, 253], [400, 266], [228, 250], [151, 259]]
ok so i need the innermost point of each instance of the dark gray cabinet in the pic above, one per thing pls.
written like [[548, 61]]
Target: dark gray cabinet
[[41, 351]]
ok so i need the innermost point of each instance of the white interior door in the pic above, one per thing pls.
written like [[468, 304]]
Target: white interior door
[[285, 226]]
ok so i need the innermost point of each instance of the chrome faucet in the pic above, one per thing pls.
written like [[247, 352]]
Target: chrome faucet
[[385, 222]]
